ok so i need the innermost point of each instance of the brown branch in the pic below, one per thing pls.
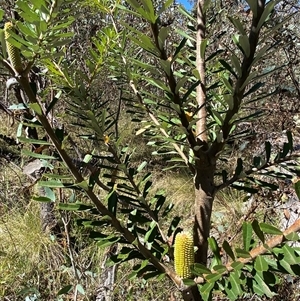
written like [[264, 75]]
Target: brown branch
[[260, 250], [23, 80]]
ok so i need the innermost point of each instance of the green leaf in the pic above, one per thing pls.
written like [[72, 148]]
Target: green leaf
[[236, 64], [65, 290], [268, 150], [141, 166], [217, 117], [290, 140], [253, 6], [147, 13], [36, 108], [268, 9], [112, 201], [239, 167], [1, 14], [238, 25], [206, 291], [242, 253], [235, 282], [237, 265], [228, 249], [261, 285], [229, 68], [80, 289], [35, 155], [215, 249], [104, 243], [247, 235], [269, 229], [257, 230], [297, 188], [260, 264], [213, 277], [165, 5], [27, 13], [42, 199], [199, 269], [188, 282], [33, 141], [290, 256], [74, 206], [150, 235], [293, 236]]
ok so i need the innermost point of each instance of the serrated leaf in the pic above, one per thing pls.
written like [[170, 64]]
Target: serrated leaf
[[269, 229], [199, 269], [206, 291], [260, 264], [212, 278], [262, 286], [290, 256]]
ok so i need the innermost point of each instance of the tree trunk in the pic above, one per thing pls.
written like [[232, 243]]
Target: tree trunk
[[204, 196]]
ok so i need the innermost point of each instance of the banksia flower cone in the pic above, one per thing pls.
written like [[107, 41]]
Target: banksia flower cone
[[13, 52], [184, 254]]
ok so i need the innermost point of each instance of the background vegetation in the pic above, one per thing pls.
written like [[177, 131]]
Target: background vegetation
[[101, 82]]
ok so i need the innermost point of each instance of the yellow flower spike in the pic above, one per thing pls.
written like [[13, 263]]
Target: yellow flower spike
[[184, 254], [13, 52]]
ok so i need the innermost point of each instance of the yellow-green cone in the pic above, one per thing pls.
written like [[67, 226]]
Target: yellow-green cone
[[184, 254], [13, 52]]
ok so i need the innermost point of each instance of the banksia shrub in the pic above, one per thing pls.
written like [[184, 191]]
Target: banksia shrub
[[13, 52], [184, 254]]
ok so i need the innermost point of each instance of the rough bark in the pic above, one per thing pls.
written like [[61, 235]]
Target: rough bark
[[204, 196]]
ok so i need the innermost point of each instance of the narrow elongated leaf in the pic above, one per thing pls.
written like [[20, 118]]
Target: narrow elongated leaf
[[215, 249], [269, 229], [199, 269], [257, 230], [35, 155], [260, 264], [247, 235], [228, 249], [206, 291], [261, 285], [74, 207], [65, 290]]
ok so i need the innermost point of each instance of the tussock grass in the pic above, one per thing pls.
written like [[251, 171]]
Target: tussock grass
[[27, 253]]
